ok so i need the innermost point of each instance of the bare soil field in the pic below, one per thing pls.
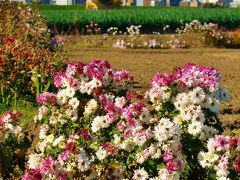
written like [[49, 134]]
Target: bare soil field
[[143, 64]]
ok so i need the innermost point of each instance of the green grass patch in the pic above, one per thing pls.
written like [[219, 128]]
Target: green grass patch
[[70, 18]]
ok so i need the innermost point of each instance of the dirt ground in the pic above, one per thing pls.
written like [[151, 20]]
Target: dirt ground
[[143, 64]]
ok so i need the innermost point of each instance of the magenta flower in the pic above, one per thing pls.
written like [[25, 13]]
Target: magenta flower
[[47, 166], [234, 142], [64, 155], [109, 147], [193, 76], [122, 75], [47, 98], [58, 79], [72, 147], [168, 155], [102, 99], [162, 79], [174, 165], [121, 125], [32, 174], [221, 143], [84, 133]]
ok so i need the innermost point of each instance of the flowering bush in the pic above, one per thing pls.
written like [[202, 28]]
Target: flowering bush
[[189, 102], [79, 118], [211, 33], [26, 46], [13, 144], [95, 126]]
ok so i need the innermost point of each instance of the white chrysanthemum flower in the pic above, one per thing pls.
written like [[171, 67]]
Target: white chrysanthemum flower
[[197, 95], [101, 153], [202, 159], [90, 107], [165, 92], [223, 178], [140, 174], [98, 123], [153, 96], [71, 114], [94, 83], [65, 82], [211, 145], [183, 99], [74, 103], [195, 128], [212, 157], [165, 129], [140, 158], [34, 161], [160, 133], [157, 106], [61, 97], [178, 120], [215, 107], [69, 92], [155, 151], [120, 102], [160, 95]]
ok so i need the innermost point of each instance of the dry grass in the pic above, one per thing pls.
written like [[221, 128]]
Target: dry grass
[[143, 64]]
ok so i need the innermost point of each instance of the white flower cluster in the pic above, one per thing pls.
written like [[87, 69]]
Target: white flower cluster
[[166, 130], [133, 30], [90, 107], [159, 95], [112, 30], [190, 106], [48, 141], [196, 26], [99, 122]]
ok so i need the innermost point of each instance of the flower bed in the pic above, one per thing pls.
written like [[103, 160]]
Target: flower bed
[[96, 126]]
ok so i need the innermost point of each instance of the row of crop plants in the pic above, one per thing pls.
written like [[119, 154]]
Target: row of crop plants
[[152, 19]]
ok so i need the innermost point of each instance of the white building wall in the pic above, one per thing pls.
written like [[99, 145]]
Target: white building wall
[[61, 2]]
